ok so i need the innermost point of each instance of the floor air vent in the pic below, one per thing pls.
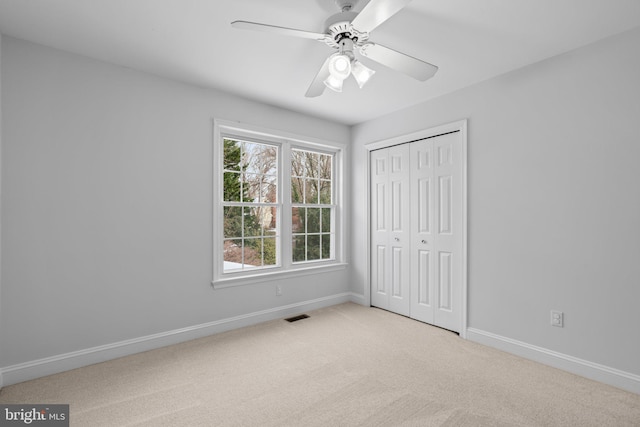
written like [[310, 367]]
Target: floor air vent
[[296, 318]]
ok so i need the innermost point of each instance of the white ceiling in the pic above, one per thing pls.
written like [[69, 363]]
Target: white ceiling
[[192, 41]]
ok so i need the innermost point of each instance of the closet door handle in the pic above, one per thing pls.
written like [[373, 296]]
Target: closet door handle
[[397, 239], [424, 242]]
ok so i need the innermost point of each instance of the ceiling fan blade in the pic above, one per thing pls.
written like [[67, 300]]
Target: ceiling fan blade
[[376, 12], [246, 25], [399, 61], [317, 85]]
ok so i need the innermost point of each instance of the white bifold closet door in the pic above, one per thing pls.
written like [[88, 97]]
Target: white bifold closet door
[[416, 230], [390, 237]]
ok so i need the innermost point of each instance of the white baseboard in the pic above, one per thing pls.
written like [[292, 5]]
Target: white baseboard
[[357, 299], [52, 365], [611, 376]]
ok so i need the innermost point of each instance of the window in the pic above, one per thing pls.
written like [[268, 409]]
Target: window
[[276, 205], [311, 211], [250, 209]]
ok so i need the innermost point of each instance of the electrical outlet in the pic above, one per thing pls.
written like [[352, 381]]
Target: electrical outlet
[[278, 290], [557, 318]]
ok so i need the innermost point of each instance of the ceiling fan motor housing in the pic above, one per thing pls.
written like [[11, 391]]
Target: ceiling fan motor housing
[[339, 28]]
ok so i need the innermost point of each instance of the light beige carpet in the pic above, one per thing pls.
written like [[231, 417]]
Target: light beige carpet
[[346, 365]]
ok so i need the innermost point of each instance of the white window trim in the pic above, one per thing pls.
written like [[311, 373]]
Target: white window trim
[[287, 140]]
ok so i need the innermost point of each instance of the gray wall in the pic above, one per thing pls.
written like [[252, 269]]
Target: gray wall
[[1, 364], [554, 203], [107, 204]]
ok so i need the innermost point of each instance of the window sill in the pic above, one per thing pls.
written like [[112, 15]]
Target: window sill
[[275, 275]]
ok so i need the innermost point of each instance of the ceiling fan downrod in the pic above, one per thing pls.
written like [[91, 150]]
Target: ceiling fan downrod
[[345, 5]]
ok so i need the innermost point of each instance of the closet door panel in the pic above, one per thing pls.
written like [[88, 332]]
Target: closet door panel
[[390, 219], [422, 209], [399, 210], [379, 176], [448, 236]]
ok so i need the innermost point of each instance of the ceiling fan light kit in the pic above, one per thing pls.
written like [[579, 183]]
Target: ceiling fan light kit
[[347, 31], [344, 63]]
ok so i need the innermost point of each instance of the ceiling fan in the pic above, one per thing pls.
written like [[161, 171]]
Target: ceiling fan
[[347, 31]]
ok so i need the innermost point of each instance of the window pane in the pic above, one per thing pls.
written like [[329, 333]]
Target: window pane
[[232, 222], [269, 192], [326, 220], [232, 254], [251, 187], [313, 220], [297, 220], [304, 163], [311, 191], [326, 246], [269, 251], [270, 220], [325, 166], [325, 192], [252, 227], [264, 160], [297, 163], [299, 248], [243, 155], [231, 156], [297, 190], [232, 187], [313, 247], [311, 164], [250, 157], [253, 252], [260, 159], [264, 218]]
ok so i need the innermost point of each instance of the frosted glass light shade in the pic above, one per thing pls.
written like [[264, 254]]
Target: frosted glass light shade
[[334, 83], [340, 66], [361, 72]]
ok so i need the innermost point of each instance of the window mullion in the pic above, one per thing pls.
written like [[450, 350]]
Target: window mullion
[[285, 204], [337, 243], [218, 208]]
